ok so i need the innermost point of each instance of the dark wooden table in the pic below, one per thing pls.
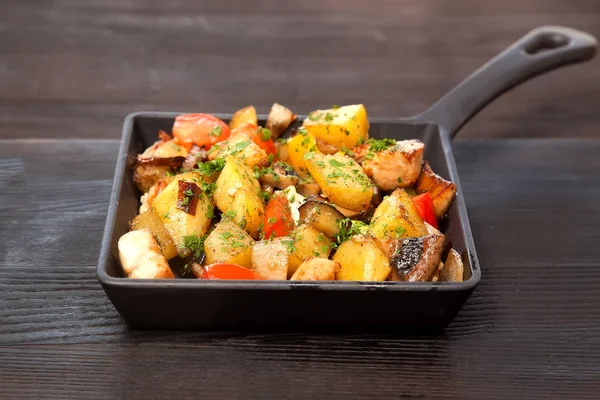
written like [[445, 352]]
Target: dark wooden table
[[71, 70]]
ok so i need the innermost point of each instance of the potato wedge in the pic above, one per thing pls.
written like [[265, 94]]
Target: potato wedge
[[270, 259], [243, 115], [317, 269], [298, 146], [342, 127], [341, 179], [228, 243], [397, 217], [306, 241], [441, 190], [361, 259], [177, 222], [453, 268], [279, 119], [151, 221], [237, 195], [241, 147]]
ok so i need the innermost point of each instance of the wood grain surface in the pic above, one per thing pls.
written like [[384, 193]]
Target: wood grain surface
[[71, 70]]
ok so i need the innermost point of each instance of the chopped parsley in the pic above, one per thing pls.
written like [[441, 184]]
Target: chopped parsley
[[264, 195], [302, 131], [265, 134], [347, 229], [216, 131], [335, 163], [235, 244], [210, 167], [230, 214], [226, 235], [329, 117], [188, 192], [314, 116], [335, 106], [210, 211], [239, 146], [289, 244], [309, 156], [272, 220], [377, 145], [399, 231], [185, 201], [166, 215], [399, 180], [208, 188], [195, 244]]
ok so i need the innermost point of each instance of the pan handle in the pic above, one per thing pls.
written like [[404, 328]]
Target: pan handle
[[541, 50]]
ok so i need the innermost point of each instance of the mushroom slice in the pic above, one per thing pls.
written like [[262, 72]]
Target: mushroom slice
[[416, 259], [280, 176], [196, 155], [453, 268], [279, 119], [322, 216]]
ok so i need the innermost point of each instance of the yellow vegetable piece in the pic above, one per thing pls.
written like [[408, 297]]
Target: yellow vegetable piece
[[298, 146], [179, 223], [307, 242], [228, 243], [149, 220], [341, 179], [342, 127], [397, 217], [237, 195], [361, 259], [243, 115]]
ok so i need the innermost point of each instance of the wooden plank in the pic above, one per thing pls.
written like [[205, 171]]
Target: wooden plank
[[73, 69]]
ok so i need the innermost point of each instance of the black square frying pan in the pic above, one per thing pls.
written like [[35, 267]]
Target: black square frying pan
[[282, 305]]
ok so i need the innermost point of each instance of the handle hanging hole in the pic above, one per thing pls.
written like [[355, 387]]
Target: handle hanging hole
[[545, 42]]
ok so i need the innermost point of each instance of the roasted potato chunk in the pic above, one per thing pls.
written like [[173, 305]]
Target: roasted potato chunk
[[141, 256], [317, 269], [242, 116], [397, 217], [270, 259], [362, 259], [279, 119], [342, 127], [151, 221], [178, 222], [241, 146], [237, 195], [306, 241], [228, 243], [298, 146], [397, 166], [341, 179], [441, 190]]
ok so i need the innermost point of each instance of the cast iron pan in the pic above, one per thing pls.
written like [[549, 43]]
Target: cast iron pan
[[282, 305]]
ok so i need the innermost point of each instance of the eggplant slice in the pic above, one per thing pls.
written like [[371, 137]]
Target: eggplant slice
[[322, 216], [417, 259]]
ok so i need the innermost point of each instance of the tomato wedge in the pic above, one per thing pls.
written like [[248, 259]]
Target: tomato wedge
[[203, 130], [278, 219], [260, 136], [425, 209], [229, 271]]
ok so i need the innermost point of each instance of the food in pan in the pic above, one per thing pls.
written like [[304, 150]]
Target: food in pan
[[318, 201]]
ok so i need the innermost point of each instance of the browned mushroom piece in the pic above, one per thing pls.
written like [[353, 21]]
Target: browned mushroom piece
[[197, 154], [281, 177], [325, 217], [308, 188], [279, 119], [415, 259]]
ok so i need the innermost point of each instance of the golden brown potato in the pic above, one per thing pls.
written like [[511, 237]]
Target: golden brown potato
[[228, 243], [298, 146], [342, 127], [453, 268], [141, 256], [242, 116], [397, 166], [397, 217], [178, 222], [341, 179], [317, 269], [441, 190], [242, 147], [237, 195], [306, 241], [279, 119], [151, 221], [270, 259], [362, 259]]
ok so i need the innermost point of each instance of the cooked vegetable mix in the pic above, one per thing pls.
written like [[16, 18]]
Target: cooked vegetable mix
[[316, 201]]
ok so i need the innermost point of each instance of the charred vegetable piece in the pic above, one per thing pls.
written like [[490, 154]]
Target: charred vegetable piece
[[279, 119], [196, 155], [229, 272], [322, 216], [341, 179], [151, 222], [397, 217], [157, 161], [279, 176], [237, 195], [228, 243], [306, 241], [242, 116], [441, 190], [342, 127], [317, 269], [417, 259], [425, 209], [453, 268], [278, 219], [270, 259], [141, 256], [203, 130], [187, 196], [362, 259]]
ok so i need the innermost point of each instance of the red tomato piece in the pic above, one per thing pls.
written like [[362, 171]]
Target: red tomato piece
[[203, 130], [229, 271], [260, 136], [278, 218], [425, 209]]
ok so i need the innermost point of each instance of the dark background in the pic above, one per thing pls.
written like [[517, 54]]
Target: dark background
[[70, 70]]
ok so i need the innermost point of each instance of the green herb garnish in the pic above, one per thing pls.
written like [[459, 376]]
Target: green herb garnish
[[216, 131], [195, 244], [265, 134]]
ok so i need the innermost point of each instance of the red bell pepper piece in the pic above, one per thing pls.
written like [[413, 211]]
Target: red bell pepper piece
[[278, 218], [229, 271], [425, 209]]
